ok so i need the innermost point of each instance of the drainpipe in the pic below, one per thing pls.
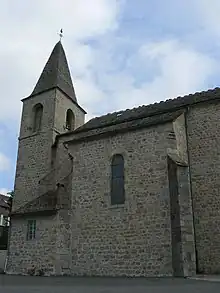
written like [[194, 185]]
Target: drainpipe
[[190, 181]]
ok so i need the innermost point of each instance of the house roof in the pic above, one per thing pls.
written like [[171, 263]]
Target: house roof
[[4, 201], [56, 74], [143, 116], [42, 204], [170, 105], [5, 204], [123, 127]]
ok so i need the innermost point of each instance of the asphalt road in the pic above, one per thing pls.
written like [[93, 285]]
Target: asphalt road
[[16, 284]]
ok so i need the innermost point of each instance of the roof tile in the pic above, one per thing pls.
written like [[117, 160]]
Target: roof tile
[[56, 73]]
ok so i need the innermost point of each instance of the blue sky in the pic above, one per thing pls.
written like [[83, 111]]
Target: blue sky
[[122, 54]]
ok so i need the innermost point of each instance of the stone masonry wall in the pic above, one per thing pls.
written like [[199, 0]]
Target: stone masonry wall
[[30, 256], [63, 244], [63, 176], [62, 160], [186, 221], [184, 197], [133, 239], [204, 149], [3, 256], [38, 161], [34, 150], [27, 119], [61, 106], [35, 153]]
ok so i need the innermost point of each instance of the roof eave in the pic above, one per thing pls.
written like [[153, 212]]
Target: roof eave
[[53, 88], [49, 212], [169, 117]]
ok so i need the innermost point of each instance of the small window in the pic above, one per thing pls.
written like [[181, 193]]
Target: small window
[[70, 120], [117, 180], [38, 113], [31, 229]]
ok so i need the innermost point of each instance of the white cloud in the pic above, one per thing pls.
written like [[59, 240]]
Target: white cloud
[[176, 70], [4, 191], [148, 72], [182, 69], [30, 33], [208, 15], [4, 162], [79, 18]]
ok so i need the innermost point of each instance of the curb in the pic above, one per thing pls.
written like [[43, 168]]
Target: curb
[[206, 278]]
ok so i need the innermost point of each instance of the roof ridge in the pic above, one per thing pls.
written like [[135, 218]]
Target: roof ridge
[[58, 61], [149, 110], [157, 103]]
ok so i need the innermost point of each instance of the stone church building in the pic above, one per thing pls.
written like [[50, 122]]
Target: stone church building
[[132, 193]]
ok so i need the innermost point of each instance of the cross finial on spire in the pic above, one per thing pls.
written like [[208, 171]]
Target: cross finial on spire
[[61, 34]]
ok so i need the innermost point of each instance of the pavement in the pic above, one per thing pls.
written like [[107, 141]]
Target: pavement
[[20, 284]]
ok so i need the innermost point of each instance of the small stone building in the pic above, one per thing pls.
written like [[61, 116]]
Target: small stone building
[[132, 193], [5, 207]]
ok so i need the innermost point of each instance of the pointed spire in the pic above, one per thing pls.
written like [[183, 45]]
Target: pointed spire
[[56, 74]]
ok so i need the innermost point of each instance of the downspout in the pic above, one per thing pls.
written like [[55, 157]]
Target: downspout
[[190, 182]]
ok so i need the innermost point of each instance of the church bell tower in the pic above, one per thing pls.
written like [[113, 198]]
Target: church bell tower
[[51, 109]]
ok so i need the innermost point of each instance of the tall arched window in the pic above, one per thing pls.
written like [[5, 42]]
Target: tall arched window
[[38, 113], [70, 120], [117, 180]]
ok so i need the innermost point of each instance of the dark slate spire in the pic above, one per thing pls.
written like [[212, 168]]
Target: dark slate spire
[[56, 74]]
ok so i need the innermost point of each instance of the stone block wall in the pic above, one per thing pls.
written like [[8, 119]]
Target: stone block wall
[[63, 244], [34, 150], [182, 222], [47, 100], [32, 256], [62, 160], [204, 153], [62, 105], [186, 221], [133, 239], [32, 165], [3, 255]]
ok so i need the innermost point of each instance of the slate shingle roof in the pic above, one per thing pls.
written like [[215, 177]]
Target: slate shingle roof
[[56, 73], [44, 203], [167, 106], [4, 201], [123, 127], [5, 204]]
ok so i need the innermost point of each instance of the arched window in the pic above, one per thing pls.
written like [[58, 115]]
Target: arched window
[[38, 113], [117, 180], [70, 120]]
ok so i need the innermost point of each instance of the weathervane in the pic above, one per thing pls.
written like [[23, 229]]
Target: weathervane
[[61, 34]]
